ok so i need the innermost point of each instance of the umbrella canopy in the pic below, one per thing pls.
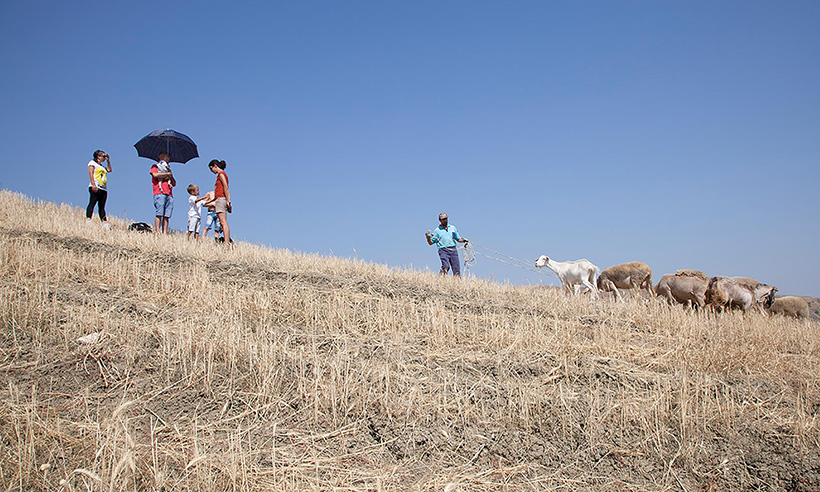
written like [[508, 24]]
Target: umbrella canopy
[[178, 145]]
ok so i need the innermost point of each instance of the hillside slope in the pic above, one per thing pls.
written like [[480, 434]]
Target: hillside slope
[[210, 368]]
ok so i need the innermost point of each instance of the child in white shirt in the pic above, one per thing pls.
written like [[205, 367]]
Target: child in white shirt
[[194, 210]]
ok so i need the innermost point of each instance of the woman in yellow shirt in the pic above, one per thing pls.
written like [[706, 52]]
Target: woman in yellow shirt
[[98, 175]]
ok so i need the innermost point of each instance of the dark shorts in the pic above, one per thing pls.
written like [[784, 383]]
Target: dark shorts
[[449, 259]]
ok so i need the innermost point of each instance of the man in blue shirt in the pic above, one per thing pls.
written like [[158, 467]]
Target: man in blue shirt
[[445, 237]]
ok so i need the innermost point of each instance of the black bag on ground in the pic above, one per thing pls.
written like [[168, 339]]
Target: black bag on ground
[[140, 227]]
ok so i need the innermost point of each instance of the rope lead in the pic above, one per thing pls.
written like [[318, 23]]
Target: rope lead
[[469, 254]]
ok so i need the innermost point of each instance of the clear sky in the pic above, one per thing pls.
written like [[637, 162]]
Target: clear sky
[[679, 133]]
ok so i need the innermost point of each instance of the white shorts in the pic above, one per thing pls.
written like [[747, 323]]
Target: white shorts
[[193, 224]]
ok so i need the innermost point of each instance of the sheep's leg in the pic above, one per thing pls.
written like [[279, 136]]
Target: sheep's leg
[[637, 288], [591, 288], [648, 282], [591, 284], [609, 286]]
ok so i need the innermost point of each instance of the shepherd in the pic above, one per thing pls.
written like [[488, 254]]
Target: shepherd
[[445, 236]]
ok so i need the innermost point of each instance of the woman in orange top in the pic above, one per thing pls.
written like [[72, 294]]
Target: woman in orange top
[[222, 196]]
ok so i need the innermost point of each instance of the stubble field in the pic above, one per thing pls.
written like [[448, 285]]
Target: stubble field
[[250, 369]]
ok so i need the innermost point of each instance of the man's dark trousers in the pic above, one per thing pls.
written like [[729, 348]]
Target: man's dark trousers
[[449, 258]]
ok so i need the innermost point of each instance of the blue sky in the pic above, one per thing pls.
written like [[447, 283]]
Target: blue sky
[[682, 134]]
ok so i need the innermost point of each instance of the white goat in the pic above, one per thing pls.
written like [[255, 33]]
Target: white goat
[[572, 274]]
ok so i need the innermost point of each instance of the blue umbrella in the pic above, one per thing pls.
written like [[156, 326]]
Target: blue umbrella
[[178, 145]]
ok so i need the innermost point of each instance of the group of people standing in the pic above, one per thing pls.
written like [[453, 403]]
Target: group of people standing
[[217, 202]]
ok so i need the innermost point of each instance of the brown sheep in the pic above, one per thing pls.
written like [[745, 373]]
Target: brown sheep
[[739, 292], [791, 306], [635, 275], [764, 293], [693, 273], [685, 287], [723, 293]]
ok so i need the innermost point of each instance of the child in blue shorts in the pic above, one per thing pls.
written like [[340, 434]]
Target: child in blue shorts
[[211, 220]]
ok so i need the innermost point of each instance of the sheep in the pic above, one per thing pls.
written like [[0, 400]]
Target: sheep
[[763, 293], [791, 306], [572, 274], [635, 275], [723, 293], [739, 292], [685, 287], [692, 273]]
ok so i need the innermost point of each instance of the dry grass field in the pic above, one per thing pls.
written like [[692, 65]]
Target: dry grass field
[[252, 369]]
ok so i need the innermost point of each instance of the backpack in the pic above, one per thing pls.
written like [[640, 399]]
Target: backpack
[[140, 227]]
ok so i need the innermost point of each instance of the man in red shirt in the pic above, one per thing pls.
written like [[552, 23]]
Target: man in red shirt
[[162, 179]]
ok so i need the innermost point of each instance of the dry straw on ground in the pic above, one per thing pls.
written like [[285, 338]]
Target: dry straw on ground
[[249, 369]]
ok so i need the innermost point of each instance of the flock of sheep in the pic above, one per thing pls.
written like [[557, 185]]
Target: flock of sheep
[[690, 287]]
